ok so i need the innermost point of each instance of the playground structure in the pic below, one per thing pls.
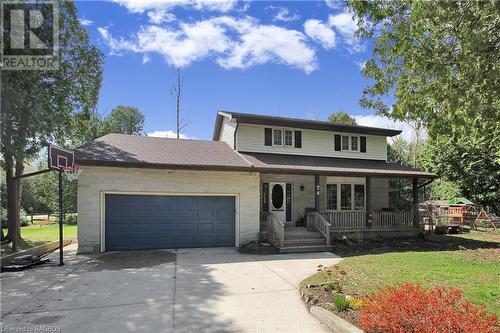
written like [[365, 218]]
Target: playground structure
[[450, 215]]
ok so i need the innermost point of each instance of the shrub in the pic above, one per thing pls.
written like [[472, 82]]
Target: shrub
[[333, 285], [355, 303], [341, 303], [411, 308]]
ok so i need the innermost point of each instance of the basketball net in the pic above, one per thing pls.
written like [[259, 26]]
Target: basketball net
[[72, 172]]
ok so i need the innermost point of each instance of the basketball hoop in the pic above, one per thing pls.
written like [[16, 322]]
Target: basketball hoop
[[72, 172]]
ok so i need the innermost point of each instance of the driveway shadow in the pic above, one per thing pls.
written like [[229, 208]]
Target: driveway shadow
[[130, 260]]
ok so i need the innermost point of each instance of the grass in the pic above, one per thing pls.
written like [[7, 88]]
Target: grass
[[40, 234], [473, 268]]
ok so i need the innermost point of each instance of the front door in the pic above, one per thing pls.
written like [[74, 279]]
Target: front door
[[277, 200]]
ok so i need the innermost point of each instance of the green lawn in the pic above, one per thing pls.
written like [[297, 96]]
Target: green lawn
[[472, 268], [35, 235]]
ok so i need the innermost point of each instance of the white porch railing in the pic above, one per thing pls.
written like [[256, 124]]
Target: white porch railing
[[347, 221], [275, 229], [392, 220], [316, 221]]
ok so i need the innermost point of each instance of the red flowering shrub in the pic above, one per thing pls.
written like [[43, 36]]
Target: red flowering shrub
[[411, 308]]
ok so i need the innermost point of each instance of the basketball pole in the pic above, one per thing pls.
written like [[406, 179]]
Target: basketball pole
[[61, 262]]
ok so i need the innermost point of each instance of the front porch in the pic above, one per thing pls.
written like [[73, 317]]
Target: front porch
[[319, 209]]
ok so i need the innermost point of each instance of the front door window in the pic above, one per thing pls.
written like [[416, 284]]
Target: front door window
[[277, 196]]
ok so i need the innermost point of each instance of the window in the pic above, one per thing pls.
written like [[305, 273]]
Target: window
[[288, 138], [359, 197], [345, 197], [277, 137], [354, 143], [331, 196], [345, 142]]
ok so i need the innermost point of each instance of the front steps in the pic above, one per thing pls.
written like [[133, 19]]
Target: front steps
[[298, 239]]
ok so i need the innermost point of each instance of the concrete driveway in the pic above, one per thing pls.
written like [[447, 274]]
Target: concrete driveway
[[185, 290]]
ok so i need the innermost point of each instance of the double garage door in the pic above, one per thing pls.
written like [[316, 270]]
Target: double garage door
[[136, 222]]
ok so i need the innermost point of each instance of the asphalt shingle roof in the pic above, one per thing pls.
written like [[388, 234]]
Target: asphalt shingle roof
[[330, 165], [145, 150], [153, 152]]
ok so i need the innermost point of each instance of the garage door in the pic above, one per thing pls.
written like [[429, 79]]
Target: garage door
[[136, 222]]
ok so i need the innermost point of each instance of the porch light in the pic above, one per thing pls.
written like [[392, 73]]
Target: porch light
[[302, 188]]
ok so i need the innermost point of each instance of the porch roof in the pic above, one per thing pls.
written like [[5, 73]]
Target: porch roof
[[280, 163]]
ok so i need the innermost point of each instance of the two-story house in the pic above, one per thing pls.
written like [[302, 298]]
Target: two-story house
[[300, 184]]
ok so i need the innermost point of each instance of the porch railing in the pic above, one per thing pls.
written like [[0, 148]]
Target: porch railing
[[355, 221], [275, 229], [345, 220], [316, 221]]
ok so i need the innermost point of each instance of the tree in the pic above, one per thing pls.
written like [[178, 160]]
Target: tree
[[176, 91], [38, 107], [125, 120], [440, 62], [341, 117]]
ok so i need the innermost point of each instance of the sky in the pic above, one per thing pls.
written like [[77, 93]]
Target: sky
[[284, 58]]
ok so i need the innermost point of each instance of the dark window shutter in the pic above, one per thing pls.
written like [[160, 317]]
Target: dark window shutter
[[268, 136], [337, 142], [362, 146], [298, 139], [265, 197], [288, 202]]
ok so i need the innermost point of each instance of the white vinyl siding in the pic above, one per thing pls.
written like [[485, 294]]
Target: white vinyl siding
[[227, 132], [250, 138]]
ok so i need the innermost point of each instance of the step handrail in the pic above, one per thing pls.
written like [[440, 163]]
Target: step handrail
[[319, 223], [277, 228]]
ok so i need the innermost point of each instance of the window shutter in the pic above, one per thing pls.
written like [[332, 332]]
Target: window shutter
[[265, 197], [362, 146], [298, 139], [268, 136], [337, 142]]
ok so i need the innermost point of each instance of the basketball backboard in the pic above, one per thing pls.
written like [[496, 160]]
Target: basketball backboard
[[60, 158]]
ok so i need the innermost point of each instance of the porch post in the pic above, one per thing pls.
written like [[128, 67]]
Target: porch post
[[316, 192], [415, 202], [368, 190]]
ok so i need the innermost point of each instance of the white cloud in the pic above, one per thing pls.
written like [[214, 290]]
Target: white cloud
[[168, 134], [139, 6], [334, 4], [159, 16], [379, 121], [233, 42], [145, 59], [346, 26], [320, 32], [85, 22], [283, 14], [361, 64]]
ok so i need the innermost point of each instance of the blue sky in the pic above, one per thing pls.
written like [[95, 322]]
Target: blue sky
[[288, 58]]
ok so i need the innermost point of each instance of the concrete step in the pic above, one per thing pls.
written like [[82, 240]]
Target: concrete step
[[303, 249], [305, 242]]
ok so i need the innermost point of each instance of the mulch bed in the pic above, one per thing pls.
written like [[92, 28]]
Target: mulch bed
[[318, 295]]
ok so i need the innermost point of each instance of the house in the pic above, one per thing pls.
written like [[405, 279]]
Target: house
[[259, 174]]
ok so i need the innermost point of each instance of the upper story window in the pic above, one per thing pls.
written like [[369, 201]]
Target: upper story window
[[277, 137], [350, 143], [345, 142], [288, 138], [354, 143]]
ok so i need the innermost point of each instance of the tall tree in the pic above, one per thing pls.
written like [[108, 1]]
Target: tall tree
[[176, 91], [440, 62], [342, 117], [39, 106], [126, 120]]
